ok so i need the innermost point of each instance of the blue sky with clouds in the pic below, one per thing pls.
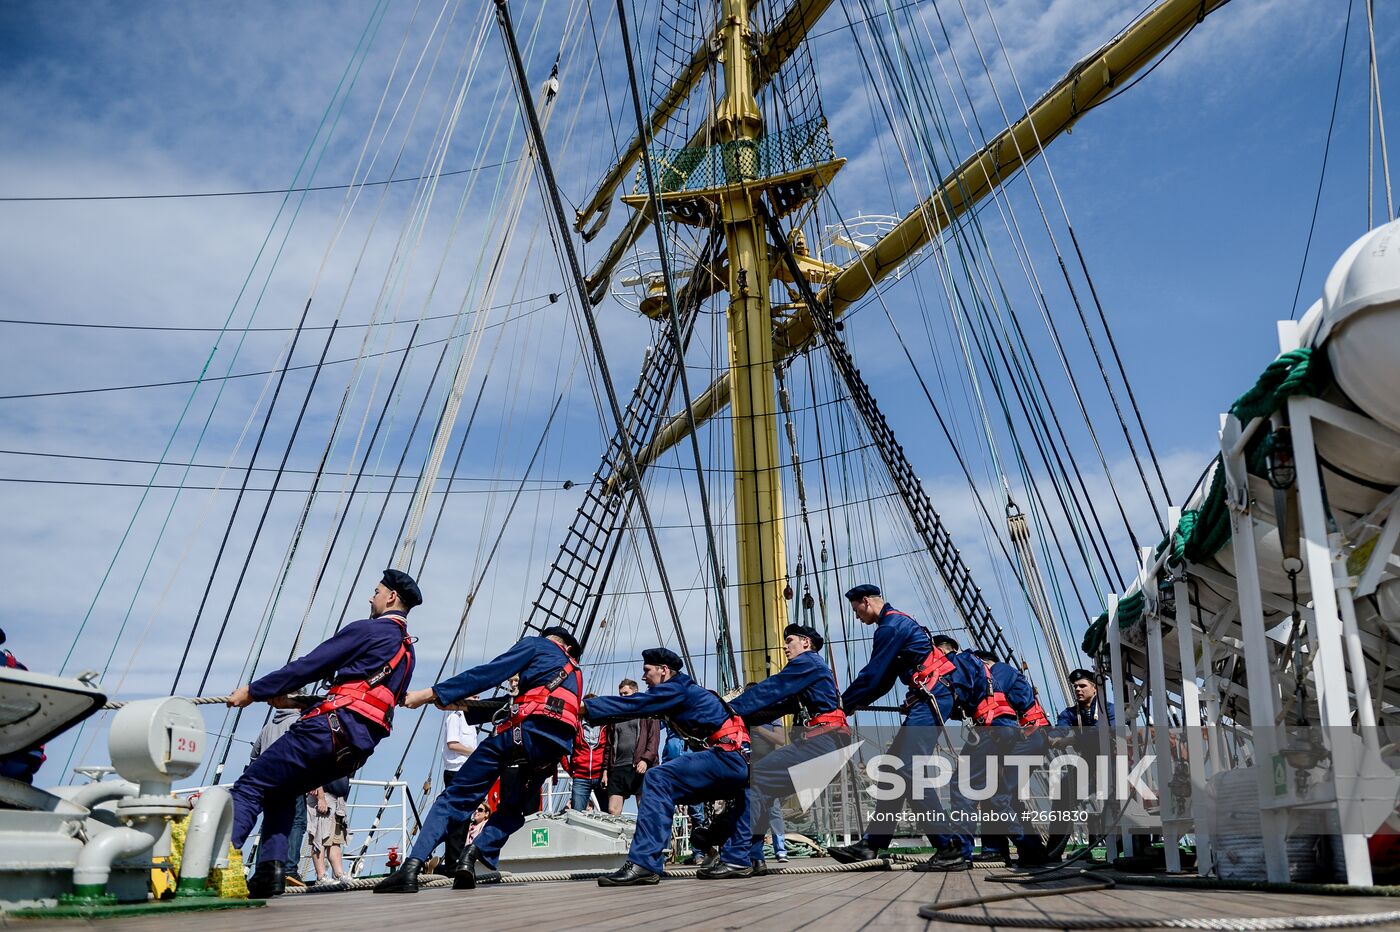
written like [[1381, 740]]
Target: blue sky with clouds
[[1190, 196]]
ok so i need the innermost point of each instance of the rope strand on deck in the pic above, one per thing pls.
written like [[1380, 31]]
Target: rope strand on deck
[[681, 873]]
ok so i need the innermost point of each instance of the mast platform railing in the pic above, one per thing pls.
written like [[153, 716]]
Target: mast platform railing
[[705, 168]]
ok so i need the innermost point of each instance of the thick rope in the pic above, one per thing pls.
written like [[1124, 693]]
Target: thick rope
[[197, 700], [680, 873]]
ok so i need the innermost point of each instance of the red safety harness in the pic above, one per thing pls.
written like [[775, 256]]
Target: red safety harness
[[926, 676], [369, 697], [822, 722], [995, 705], [552, 700], [733, 735], [1034, 718]]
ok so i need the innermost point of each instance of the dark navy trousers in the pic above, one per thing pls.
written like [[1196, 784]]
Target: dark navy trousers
[[918, 737], [771, 779], [701, 777], [534, 759], [295, 764], [1001, 741]]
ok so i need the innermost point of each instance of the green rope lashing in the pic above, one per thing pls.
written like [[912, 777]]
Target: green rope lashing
[[1202, 532], [1296, 372]]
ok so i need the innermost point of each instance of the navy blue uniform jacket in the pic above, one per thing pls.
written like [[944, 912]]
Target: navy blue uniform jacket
[[690, 708], [1075, 716], [899, 646], [537, 661], [973, 686], [355, 652], [806, 683]]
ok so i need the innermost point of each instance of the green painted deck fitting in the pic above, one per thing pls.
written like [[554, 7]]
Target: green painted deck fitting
[[194, 887], [119, 911]]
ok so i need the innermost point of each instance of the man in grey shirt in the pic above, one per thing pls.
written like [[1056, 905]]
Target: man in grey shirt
[[632, 747]]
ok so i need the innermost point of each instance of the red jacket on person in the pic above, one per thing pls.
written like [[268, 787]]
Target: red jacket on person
[[586, 761]]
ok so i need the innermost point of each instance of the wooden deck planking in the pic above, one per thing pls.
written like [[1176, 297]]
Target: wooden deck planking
[[839, 901]]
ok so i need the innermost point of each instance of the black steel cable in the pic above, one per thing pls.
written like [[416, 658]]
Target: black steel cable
[[196, 194], [566, 243], [238, 502], [364, 463], [975, 221], [262, 518], [170, 328], [240, 375], [674, 319], [1322, 174]]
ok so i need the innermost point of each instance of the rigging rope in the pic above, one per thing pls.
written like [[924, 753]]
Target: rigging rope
[[1322, 172], [550, 190], [673, 318], [238, 502], [1083, 266]]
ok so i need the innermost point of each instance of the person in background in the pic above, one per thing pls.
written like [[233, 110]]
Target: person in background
[[778, 828], [459, 740], [1085, 711], [585, 766], [478, 821], [20, 765], [329, 827], [633, 745]]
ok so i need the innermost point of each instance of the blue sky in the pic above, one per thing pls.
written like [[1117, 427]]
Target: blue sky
[[1191, 197]]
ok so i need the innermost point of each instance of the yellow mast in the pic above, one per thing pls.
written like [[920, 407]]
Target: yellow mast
[[1089, 83], [758, 499]]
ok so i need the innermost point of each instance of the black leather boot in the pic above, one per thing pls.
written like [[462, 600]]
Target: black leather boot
[[853, 853], [470, 871], [403, 880], [268, 880], [725, 871], [631, 875]]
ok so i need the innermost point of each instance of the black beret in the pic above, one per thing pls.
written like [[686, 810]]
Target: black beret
[[402, 583], [943, 642], [985, 655], [1081, 674], [663, 657], [808, 632], [862, 591], [2, 635], [571, 644]]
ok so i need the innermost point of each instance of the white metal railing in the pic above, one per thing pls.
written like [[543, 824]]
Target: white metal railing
[[381, 836]]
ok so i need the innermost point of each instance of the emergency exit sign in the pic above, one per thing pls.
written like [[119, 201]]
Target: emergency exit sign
[[539, 838]]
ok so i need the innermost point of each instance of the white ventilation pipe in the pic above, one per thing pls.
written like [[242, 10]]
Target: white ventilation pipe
[[209, 835], [97, 857], [91, 795]]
